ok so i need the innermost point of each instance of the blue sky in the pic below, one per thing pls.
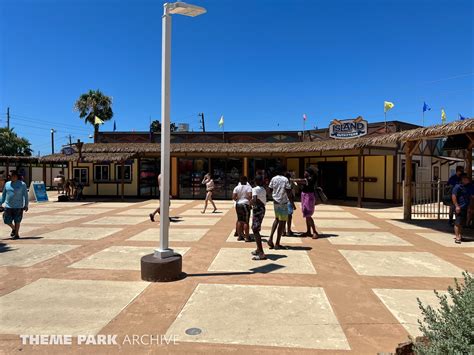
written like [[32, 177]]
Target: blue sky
[[260, 63]]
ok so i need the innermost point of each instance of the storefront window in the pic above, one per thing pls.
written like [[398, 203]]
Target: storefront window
[[148, 177], [191, 173], [226, 173], [263, 166]]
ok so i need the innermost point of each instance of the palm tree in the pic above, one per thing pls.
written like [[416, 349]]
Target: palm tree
[[92, 104]]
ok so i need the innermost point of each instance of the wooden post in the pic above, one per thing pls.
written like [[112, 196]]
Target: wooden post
[[359, 179], [123, 179], [410, 147], [468, 157]]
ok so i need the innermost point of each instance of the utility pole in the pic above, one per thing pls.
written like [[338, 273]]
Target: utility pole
[[8, 118], [203, 125], [52, 140], [70, 140]]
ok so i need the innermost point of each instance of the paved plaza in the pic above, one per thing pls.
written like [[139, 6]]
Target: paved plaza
[[76, 271]]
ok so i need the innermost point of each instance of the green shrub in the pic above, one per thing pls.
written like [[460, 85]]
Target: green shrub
[[449, 329]]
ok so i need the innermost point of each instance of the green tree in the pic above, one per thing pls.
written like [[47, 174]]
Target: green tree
[[12, 145], [155, 126], [92, 104]]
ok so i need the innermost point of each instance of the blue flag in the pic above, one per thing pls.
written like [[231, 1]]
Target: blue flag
[[115, 126], [426, 107], [461, 117]]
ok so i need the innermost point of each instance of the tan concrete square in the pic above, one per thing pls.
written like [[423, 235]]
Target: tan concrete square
[[268, 222], [280, 316], [328, 208], [140, 212], [365, 238], [404, 306], [333, 214], [36, 210], [279, 261], [119, 220], [387, 215], [176, 234], [265, 234], [6, 230], [80, 233], [343, 224], [112, 204], [118, 258], [154, 206], [197, 221], [25, 255], [85, 211], [197, 212], [399, 263], [404, 225], [447, 240], [68, 204], [49, 219], [66, 307]]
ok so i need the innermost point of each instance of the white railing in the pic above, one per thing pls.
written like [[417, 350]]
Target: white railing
[[427, 200]]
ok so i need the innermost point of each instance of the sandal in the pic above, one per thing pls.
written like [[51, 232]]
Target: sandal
[[152, 218], [240, 238], [260, 257], [270, 244], [315, 236], [254, 252], [215, 211], [248, 240], [458, 241]]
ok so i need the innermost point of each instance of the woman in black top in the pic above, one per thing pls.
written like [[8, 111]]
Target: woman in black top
[[308, 201]]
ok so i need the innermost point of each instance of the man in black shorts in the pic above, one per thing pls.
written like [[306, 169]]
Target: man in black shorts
[[462, 196]]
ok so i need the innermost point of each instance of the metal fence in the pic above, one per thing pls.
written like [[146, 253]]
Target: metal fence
[[427, 200]]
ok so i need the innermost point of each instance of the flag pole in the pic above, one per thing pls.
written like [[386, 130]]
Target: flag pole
[[385, 119], [223, 138], [304, 127], [423, 119]]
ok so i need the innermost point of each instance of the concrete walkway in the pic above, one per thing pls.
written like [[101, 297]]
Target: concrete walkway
[[76, 271]]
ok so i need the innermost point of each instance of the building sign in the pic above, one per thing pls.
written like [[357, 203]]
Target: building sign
[[345, 129]]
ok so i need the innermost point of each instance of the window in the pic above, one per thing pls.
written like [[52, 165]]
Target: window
[[101, 173], [81, 175], [127, 175]]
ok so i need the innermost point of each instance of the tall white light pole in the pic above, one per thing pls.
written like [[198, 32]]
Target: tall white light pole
[[180, 8]]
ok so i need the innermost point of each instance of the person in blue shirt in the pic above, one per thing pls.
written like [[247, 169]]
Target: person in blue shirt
[[453, 181], [462, 196], [15, 198]]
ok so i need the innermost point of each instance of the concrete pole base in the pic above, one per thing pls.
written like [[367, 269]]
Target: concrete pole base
[[161, 270]]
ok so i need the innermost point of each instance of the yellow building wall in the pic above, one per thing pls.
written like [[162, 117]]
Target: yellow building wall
[[352, 170], [389, 183], [374, 167], [293, 164]]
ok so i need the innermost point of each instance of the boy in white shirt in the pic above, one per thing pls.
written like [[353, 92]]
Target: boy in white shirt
[[259, 199], [242, 195]]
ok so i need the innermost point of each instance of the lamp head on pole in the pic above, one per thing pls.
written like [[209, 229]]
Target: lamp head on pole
[[181, 8]]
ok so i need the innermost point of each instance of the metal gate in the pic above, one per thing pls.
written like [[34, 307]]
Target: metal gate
[[427, 200]]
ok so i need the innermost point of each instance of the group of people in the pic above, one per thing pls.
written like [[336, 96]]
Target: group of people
[[252, 200], [462, 198]]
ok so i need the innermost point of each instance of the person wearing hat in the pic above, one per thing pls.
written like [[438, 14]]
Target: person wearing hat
[[15, 198]]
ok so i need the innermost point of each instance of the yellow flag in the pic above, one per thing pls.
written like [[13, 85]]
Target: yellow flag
[[221, 121], [387, 106], [443, 116], [97, 120]]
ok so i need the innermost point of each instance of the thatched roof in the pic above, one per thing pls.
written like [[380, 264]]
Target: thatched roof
[[431, 132], [116, 152], [17, 158]]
